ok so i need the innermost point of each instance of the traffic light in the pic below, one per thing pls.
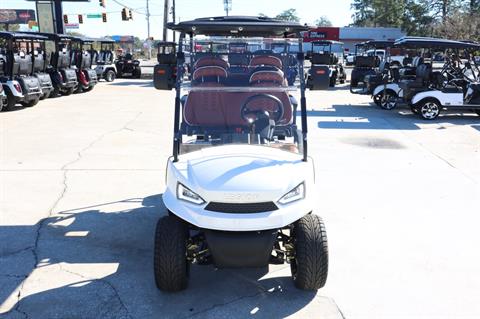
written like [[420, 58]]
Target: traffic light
[[124, 14], [130, 16], [65, 19], [104, 17], [101, 3], [80, 18]]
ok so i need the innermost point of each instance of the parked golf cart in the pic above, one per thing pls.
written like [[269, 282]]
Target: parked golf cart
[[240, 184], [165, 72], [83, 56], [105, 60], [288, 52], [128, 66], [41, 64], [16, 76], [59, 63], [370, 68], [326, 69], [460, 90], [421, 76]]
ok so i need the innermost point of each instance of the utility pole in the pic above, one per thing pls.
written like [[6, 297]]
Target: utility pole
[[173, 17], [148, 32], [165, 18], [227, 5]]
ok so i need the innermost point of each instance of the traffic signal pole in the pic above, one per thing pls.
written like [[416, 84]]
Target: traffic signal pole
[[148, 32], [59, 17]]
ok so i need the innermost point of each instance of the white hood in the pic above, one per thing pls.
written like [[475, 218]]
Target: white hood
[[242, 173]]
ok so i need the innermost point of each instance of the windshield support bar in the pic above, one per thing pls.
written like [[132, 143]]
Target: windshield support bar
[[303, 100], [178, 86]]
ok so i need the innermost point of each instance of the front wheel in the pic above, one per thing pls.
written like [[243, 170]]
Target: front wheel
[[429, 109], [171, 267], [109, 76], [310, 263], [30, 103], [388, 100]]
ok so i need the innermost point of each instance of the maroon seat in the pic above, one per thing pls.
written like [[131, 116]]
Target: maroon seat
[[266, 60], [222, 109], [211, 61], [267, 77], [209, 74]]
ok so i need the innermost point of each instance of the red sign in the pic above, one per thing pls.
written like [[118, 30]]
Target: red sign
[[322, 33]]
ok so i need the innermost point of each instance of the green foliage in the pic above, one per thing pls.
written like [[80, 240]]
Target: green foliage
[[288, 15], [454, 19], [11, 27], [323, 21]]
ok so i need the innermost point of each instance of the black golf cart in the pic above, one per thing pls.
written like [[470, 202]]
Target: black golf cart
[[105, 60], [128, 66], [240, 184], [16, 72], [83, 56], [60, 69], [165, 72], [372, 66], [326, 69]]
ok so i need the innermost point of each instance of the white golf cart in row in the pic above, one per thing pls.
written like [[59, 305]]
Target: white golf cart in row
[[240, 184]]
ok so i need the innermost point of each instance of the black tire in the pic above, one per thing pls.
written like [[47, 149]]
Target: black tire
[[109, 76], [310, 264], [388, 100], [30, 103], [44, 96], [88, 89], [333, 81], [68, 91], [137, 74], [170, 263], [55, 92], [10, 104], [414, 109], [429, 109], [377, 99]]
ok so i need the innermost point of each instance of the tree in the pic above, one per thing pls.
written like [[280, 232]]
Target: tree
[[288, 15], [323, 21], [11, 27]]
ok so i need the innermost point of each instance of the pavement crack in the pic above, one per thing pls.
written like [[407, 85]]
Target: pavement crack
[[338, 308], [105, 282]]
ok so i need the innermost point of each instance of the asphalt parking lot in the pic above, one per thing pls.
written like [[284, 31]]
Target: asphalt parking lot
[[81, 180]]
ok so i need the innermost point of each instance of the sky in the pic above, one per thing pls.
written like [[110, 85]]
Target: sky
[[337, 11]]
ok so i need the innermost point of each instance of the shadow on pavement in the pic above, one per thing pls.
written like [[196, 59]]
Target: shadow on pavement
[[370, 117], [99, 264], [138, 82]]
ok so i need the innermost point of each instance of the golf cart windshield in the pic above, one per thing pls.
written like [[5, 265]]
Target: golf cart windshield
[[239, 96]]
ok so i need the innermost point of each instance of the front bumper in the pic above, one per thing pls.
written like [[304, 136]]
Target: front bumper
[[198, 216]]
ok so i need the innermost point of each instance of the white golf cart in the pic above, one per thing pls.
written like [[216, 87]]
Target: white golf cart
[[424, 75], [105, 60], [240, 185]]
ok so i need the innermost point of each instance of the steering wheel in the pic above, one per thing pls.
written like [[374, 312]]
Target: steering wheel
[[247, 113]]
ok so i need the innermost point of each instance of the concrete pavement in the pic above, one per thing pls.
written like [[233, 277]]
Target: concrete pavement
[[81, 179]]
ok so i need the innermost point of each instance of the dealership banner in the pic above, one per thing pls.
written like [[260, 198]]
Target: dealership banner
[[13, 16]]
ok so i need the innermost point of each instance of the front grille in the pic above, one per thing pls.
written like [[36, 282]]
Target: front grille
[[241, 208]]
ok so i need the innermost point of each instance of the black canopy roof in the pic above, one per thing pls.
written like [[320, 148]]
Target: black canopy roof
[[239, 26], [55, 36], [21, 35], [419, 42], [325, 42], [379, 44]]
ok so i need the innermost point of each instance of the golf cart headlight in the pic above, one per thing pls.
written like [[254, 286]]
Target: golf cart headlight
[[186, 194], [293, 195]]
